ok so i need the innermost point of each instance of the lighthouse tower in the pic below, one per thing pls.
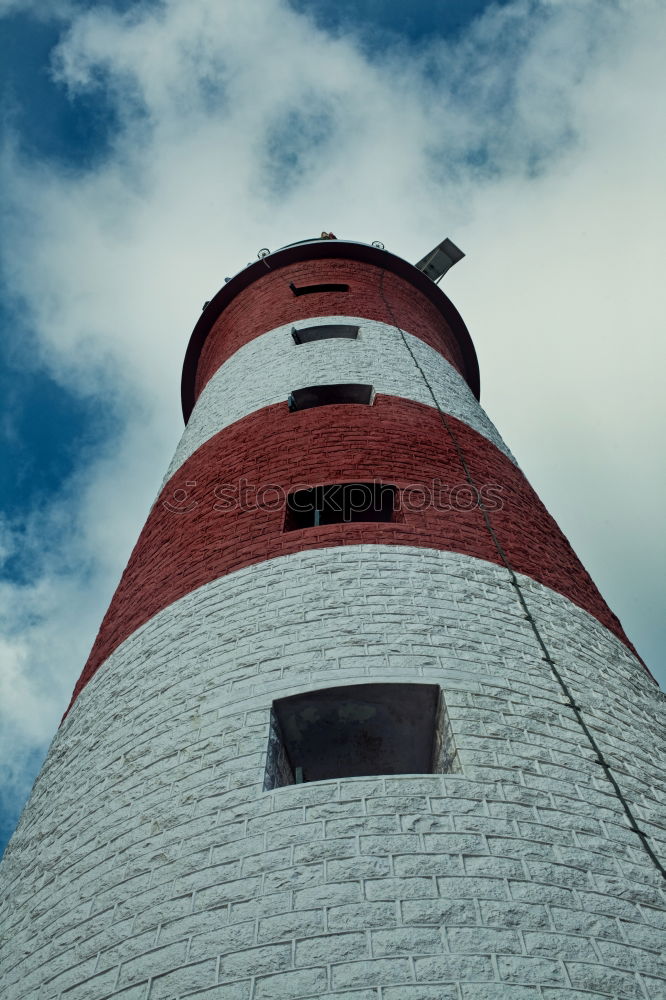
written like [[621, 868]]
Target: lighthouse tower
[[357, 724]]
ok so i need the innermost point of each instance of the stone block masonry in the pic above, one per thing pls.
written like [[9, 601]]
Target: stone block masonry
[[149, 863], [170, 849], [265, 370], [373, 294], [394, 441]]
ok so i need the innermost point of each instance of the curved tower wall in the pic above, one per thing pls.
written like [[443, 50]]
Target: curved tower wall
[[155, 860]]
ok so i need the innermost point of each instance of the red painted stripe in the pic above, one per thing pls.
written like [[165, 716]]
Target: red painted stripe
[[269, 303], [395, 441]]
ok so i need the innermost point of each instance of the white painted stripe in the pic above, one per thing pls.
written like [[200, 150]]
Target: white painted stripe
[[310, 610], [149, 812], [268, 368], [151, 824]]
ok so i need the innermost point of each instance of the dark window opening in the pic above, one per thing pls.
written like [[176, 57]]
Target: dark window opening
[[327, 331], [323, 287], [338, 503], [359, 730], [328, 395]]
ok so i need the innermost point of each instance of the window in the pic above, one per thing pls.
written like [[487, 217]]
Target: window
[[328, 331], [324, 287], [327, 395], [338, 503], [357, 730]]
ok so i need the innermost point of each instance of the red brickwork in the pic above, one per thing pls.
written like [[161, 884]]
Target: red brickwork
[[395, 441], [269, 303]]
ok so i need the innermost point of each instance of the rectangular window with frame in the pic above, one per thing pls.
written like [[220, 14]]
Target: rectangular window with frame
[[331, 395], [340, 503], [324, 286], [359, 730], [324, 331]]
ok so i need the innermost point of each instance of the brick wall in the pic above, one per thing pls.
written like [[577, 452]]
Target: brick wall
[[269, 303], [265, 370], [149, 864], [394, 441]]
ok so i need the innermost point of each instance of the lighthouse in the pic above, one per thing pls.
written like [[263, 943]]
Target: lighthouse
[[357, 723]]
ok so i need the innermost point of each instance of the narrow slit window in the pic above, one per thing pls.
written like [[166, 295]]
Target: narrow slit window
[[327, 331], [339, 503], [358, 730], [325, 286], [328, 395]]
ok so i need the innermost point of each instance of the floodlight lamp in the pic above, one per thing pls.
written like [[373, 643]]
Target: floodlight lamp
[[436, 263]]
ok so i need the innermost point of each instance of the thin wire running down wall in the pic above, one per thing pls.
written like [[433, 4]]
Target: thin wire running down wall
[[570, 701]]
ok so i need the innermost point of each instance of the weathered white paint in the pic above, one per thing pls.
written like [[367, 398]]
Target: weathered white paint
[[267, 369], [149, 863]]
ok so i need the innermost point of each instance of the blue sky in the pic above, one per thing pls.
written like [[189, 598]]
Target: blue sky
[[381, 22], [150, 149]]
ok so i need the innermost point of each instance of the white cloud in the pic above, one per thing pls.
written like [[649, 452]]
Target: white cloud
[[533, 141]]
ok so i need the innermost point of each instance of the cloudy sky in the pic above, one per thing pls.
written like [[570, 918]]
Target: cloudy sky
[[150, 149]]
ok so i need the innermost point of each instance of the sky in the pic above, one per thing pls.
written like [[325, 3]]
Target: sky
[[150, 149]]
